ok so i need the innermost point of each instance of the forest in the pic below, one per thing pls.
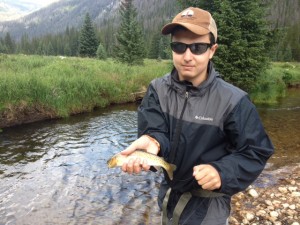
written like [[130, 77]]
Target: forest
[[284, 32]]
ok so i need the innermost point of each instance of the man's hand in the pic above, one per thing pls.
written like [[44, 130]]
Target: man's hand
[[143, 143], [207, 177]]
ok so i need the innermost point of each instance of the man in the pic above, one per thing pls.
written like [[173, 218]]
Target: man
[[208, 128]]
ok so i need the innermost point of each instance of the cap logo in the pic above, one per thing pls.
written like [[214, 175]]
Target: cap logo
[[187, 13]]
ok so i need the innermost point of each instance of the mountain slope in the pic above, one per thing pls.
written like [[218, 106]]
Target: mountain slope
[[151, 14], [58, 16], [14, 9]]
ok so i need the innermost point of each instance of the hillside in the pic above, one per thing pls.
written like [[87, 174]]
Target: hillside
[[285, 13], [70, 13], [14, 9], [57, 16]]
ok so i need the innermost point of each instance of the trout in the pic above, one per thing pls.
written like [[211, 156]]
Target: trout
[[151, 159]]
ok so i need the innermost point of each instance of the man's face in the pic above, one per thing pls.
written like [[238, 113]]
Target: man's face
[[192, 67]]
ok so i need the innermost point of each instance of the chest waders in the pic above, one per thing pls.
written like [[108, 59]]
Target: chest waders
[[186, 196]]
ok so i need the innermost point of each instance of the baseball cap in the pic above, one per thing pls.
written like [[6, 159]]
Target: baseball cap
[[196, 20]]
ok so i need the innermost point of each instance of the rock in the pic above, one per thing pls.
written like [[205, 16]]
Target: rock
[[233, 220], [268, 202], [293, 182], [283, 189], [296, 194], [253, 193], [276, 203], [285, 205], [292, 189], [274, 214], [293, 207], [261, 213], [295, 223], [250, 216]]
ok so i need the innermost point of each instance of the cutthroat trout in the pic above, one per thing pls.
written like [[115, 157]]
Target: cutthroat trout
[[152, 160]]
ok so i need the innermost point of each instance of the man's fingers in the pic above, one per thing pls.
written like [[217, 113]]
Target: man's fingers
[[135, 166], [207, 177], [130, 149]]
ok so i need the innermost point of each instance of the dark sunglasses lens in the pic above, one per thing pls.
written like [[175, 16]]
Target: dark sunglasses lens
[[198, 48], [178, 47]]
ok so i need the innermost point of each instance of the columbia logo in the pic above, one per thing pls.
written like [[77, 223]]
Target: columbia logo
[[187, 13], [204, 118]]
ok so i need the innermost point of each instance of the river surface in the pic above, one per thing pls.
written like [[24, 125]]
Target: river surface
[[55, 172]]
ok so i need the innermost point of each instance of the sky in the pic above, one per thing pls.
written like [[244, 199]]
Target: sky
[[12, 9]]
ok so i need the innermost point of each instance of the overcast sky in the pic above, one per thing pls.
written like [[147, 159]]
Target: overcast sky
[[13, 9]]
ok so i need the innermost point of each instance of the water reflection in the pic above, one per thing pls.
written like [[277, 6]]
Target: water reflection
[[55, 172], [282, 122]]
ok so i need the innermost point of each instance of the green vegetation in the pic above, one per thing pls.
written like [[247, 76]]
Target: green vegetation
[[130, 48], [273, 84], [88, 42], [61, 86]]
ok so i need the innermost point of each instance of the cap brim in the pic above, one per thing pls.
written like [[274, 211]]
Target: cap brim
[[167, 29]]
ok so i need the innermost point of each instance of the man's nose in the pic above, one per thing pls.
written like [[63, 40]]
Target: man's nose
[[187, 55]]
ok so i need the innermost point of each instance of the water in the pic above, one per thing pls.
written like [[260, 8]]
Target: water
[[55, 172], [282, 122]]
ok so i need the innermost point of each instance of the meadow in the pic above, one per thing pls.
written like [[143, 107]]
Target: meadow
[[59, 86], [56, 86]]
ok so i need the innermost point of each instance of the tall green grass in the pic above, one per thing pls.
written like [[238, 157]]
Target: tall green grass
[[66, 86], [272, 85]]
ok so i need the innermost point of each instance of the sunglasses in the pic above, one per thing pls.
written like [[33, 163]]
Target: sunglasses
[[196, 48]]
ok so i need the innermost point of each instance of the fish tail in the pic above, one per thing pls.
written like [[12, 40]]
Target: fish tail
[[170, 170]]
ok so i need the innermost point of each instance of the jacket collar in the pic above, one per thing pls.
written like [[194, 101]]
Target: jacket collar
[[183, 86]]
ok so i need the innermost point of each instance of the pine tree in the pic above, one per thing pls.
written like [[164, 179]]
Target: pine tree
[[130, 47], [101, 53], [9, 43], [242, 37], [88, 42]]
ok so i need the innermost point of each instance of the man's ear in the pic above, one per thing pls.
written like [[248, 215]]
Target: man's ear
[[213, 50]]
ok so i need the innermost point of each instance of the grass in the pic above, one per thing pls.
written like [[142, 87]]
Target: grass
[[272, 85], [65, 86], [59, 87]]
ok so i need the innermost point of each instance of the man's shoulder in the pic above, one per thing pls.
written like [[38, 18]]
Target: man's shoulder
[[226, 88], [165, 79]]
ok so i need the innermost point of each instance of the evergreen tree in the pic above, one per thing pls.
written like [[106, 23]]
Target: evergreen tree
[[25, 46], [101, 53], [10, 44], [242, 36], [88, 42], [130, 47], [160, 47]]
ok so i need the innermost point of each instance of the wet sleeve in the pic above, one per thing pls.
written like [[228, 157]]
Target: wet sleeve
[[249, 148], [152, 121]]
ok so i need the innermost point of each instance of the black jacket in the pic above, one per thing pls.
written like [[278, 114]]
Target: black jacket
[[216, 124]]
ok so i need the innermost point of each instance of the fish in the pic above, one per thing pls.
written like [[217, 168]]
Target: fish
[[152, 160]]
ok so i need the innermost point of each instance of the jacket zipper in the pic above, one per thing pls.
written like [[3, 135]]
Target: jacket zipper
[[178, 128]]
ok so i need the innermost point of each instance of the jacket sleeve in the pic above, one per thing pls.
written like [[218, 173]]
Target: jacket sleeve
[[249, 148], [152, 121]]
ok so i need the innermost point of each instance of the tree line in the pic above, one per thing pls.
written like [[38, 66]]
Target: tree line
[[90, 41]]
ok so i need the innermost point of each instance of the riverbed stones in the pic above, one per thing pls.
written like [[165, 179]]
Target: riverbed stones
[[278, 204], [253, 193]]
